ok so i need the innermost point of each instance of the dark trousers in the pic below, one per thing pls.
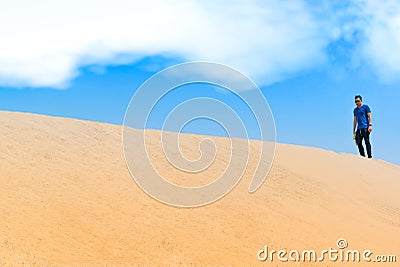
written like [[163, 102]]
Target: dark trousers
[[360, 135]]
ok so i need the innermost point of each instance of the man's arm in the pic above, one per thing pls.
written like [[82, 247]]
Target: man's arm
[[354, 127], [370, 121]]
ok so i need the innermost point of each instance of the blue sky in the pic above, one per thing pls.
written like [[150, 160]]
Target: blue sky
[[308, 59]]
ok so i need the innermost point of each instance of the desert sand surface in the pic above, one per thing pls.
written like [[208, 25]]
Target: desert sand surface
[[67, 199]]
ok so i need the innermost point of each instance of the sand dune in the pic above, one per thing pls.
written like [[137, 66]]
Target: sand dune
[[67, 198]]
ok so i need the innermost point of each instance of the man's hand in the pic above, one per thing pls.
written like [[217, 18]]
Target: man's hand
[[354, 135], [370, 129]]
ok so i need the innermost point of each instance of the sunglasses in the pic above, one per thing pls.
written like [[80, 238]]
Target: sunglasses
[[358, 101]]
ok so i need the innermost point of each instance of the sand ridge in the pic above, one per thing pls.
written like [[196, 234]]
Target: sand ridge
[[67, 198]]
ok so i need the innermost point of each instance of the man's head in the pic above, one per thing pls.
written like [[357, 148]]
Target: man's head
[[358, 100]]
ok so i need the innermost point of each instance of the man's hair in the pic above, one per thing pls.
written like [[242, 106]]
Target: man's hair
[[358, 96]]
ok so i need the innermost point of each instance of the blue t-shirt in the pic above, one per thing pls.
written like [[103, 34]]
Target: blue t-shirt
[[362, 117]]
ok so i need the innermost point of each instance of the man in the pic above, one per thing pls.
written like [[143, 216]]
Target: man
[[363, 121]]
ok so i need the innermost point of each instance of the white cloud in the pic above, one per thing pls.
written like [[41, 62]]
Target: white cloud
[[44, 42], [381, 48], [372, 27]]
